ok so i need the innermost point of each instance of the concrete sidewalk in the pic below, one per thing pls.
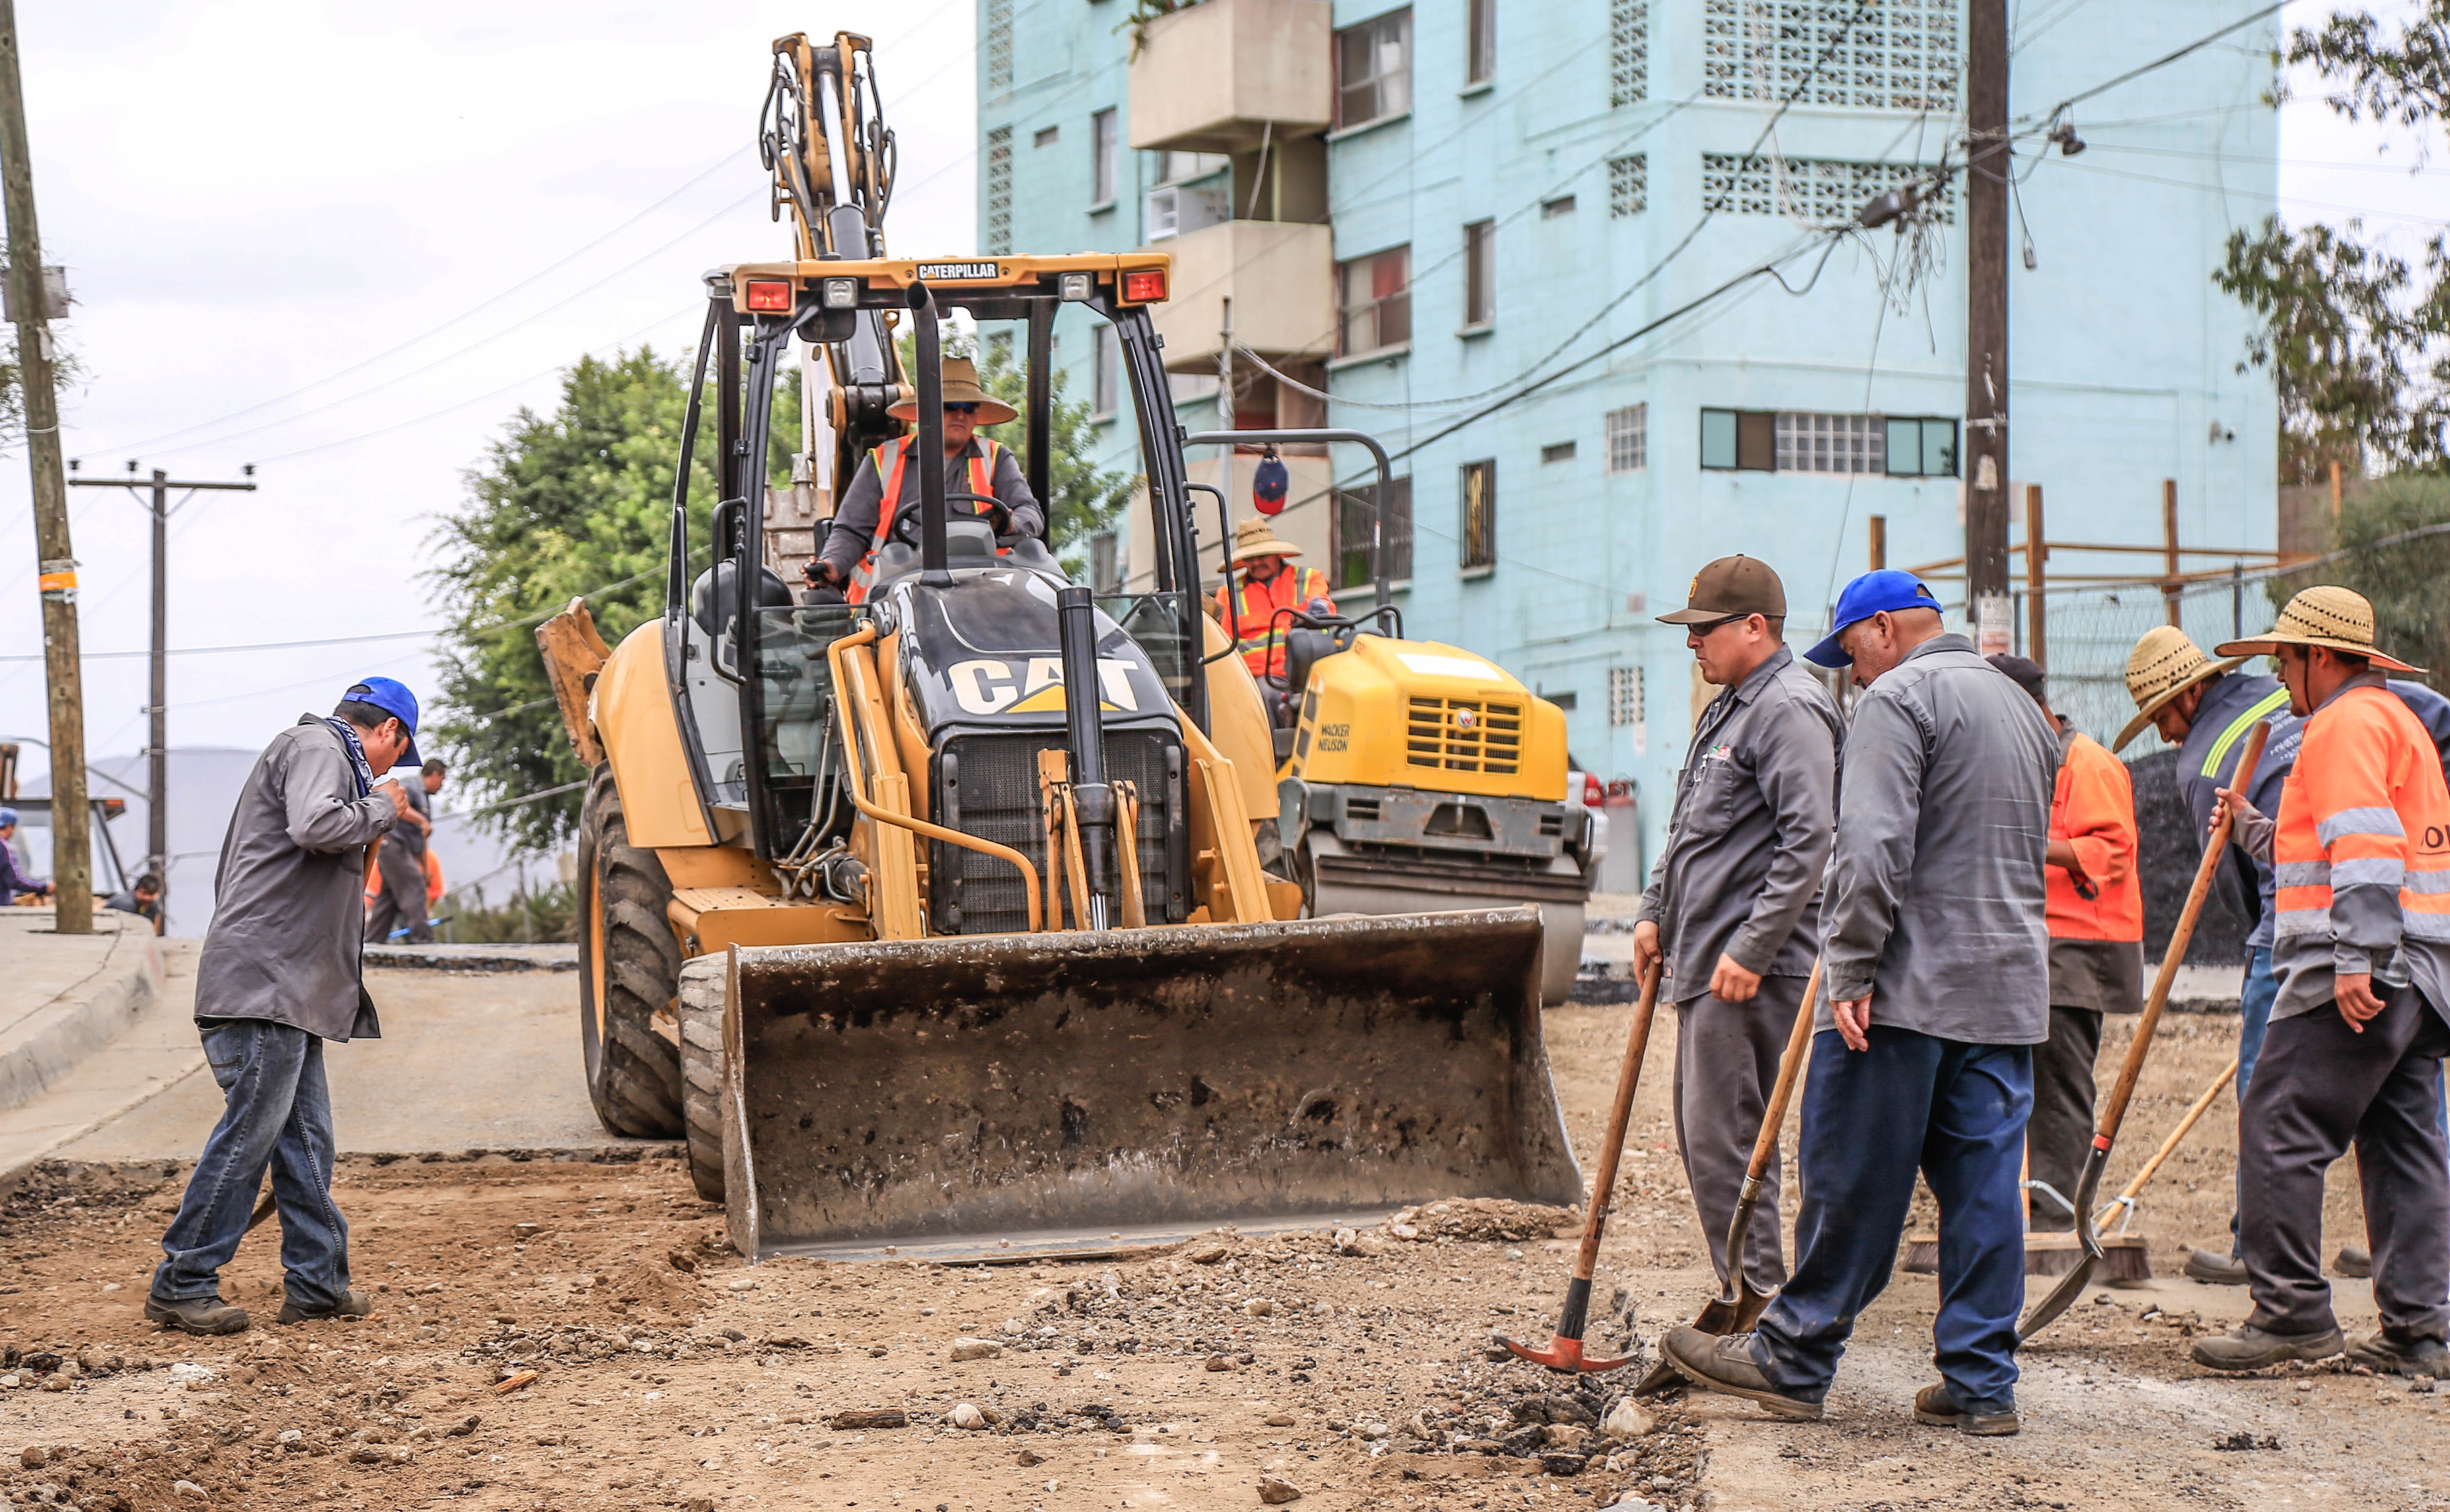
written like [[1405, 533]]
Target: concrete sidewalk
[[155, 1050], [63, 996]]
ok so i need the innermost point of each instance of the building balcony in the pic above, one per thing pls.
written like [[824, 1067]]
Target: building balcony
[[1218, 76], [1279, 273]]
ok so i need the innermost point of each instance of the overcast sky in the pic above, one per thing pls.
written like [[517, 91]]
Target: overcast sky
[[345, 242]]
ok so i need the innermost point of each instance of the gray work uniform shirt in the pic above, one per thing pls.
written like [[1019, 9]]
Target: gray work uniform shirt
[[1749, 835], [406, 835], [1934, 901], [289, 905], [854, 527]]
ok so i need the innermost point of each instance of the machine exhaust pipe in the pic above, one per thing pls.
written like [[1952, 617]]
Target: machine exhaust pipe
[[1093, 799]]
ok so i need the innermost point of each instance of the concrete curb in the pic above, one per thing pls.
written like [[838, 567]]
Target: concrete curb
[[630, 1154], [49, 1039]]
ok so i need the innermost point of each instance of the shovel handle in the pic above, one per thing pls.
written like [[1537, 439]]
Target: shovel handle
[[1629, 1076], [2229, 1073], [1790, 1066], [2114, 1112]]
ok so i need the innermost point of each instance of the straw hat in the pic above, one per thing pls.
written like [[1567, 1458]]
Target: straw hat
[[960, 378], [1256, 537], [2326, 615], [2164, 664]]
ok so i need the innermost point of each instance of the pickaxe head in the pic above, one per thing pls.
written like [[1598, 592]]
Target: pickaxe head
[[1564, 1355]]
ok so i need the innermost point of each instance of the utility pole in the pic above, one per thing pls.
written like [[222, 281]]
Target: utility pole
[[2038, 557], [1988, 165], [157, 746], [71, 815]]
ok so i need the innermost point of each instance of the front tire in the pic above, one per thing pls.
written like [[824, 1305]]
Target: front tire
[[628, 972], [702, 1072]]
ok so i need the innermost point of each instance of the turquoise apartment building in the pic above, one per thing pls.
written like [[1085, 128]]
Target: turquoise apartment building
[[1408, 212]]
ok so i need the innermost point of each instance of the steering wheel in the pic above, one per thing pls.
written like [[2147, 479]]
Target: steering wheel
[[906, 522]]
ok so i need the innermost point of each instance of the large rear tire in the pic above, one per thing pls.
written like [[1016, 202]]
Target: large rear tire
[[629, 971], [702, 1072]]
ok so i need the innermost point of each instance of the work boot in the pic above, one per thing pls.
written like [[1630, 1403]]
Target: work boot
[[197, 1314], [2392, 1353], [1723, 1363], [2247, 1347], [2214, 1269], [1939, 1407], [2353, 1260], [351, 1305]]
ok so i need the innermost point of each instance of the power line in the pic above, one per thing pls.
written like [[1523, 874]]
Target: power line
[[259, 646]]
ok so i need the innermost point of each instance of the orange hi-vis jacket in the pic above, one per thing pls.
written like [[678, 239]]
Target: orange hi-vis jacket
[[1250, 608], [888, 459], [2360, 854], [2093, 809]]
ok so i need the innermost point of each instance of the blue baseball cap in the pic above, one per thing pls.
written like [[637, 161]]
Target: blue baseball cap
[[394, 699], [1891, 589]]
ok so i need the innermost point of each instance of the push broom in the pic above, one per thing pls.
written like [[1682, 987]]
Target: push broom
[[1564, 1351]]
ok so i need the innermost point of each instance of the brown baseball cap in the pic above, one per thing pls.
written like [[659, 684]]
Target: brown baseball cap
[[1729, 587]]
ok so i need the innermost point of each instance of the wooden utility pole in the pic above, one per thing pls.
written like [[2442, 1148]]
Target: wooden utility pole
[[2037, 553], [157, 746], [1879, 542], [1988, 166], [71, 815], [2170, 547]]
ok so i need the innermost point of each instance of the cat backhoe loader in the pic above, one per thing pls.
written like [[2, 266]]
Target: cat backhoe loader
[[936, 921]]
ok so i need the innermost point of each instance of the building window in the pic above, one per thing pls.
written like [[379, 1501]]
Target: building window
[[1374, 302], [1105, 152], [1629, 185], [1476, 530], [1628, 438], [1479, 274], [1562, 204], [1559, 452], [1373, 69], [1920, 446], [1829, 443], [1355, 518], [1105, 565], [1883, 55], [1046, 136], [1821, 191], [1740, 440], [1480, 63], [999, 237], [1629, 52], [1624, 696], [999, 47], [1105, 371]]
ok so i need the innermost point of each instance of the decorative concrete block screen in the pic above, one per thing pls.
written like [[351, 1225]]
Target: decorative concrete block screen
[[1628, 51], [1819, 191], [1900, 55]]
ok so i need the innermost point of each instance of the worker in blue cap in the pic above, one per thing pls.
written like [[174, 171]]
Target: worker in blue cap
[[1935, 963], [279, 975]]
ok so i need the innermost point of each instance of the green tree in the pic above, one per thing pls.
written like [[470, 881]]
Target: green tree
[[575, 501], [2403, 78], [2401, 577]]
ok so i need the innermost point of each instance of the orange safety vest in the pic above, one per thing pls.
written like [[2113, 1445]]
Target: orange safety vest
[[888, 461], [2093, 809], [2360, 855], [1250, 608]]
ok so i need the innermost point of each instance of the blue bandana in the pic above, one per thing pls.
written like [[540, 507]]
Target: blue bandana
[[358, 762]]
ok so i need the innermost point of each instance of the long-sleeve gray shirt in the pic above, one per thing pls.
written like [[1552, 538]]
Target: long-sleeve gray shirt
[[289, 906], [1934, 901], [1750, 831], [854, 527]]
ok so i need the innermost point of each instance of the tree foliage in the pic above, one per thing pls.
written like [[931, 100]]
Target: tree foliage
[[2403, 79], [2402, 577]]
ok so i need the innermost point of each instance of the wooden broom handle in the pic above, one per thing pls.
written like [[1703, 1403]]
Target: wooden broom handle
[[1789, 1066], [2114, 1113], [1636, 1043], [2185, 1125]]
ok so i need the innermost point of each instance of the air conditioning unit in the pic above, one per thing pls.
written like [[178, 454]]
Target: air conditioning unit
[[1179, 209]]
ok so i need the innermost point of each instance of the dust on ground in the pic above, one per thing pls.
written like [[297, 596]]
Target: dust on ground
[[1352, 1369]]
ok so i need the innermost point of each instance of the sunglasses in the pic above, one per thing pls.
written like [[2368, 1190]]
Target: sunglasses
[[961, 408], [1716, 624]]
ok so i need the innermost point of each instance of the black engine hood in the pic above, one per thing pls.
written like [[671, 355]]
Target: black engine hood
[[982, 654]]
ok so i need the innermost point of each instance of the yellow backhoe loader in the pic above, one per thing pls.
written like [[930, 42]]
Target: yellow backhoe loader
[[936, 921]]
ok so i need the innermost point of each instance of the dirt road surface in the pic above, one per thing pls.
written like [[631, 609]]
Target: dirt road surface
[[669, 1375]]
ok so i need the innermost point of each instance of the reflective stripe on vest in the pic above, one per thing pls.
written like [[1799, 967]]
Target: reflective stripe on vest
[[2363, 834], [888, 504], [1252, 613], [2273, 702]]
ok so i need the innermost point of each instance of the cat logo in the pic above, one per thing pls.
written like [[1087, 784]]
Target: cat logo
[[1035, 685]]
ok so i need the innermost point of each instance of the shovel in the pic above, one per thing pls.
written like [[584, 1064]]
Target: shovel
[[1738, 1306], [2088, 1186], [1564, 1351]]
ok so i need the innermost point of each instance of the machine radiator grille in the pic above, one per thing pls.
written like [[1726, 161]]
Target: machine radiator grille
[[1464, 735], [986, 786]]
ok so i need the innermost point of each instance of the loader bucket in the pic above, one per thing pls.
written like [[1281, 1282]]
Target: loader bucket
[[1008, 1097]]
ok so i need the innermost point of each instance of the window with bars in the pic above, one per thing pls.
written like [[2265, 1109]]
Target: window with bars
[[1624, 696], [1374, 302], [999, 30], [1628, 438], [1479, 274], [1629, 185], [1476, 524], [1629, 52], [1351, 529], [1480, 42], [999, 218], [1105, 153], [1373, 69], [1883, 55], [1831, 443], [1823, 191]]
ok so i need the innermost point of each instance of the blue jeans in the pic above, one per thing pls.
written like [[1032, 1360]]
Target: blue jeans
[[1871, 1119], [279, 1113]]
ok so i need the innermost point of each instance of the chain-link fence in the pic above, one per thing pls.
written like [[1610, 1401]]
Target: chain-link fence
[[2088, 635]]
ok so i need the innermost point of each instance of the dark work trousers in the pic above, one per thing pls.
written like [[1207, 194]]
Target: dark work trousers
[[2319, 1087], [401, 903], [1727, 1060], [2061, 1130], [276, 1111], [1871, 1119]]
